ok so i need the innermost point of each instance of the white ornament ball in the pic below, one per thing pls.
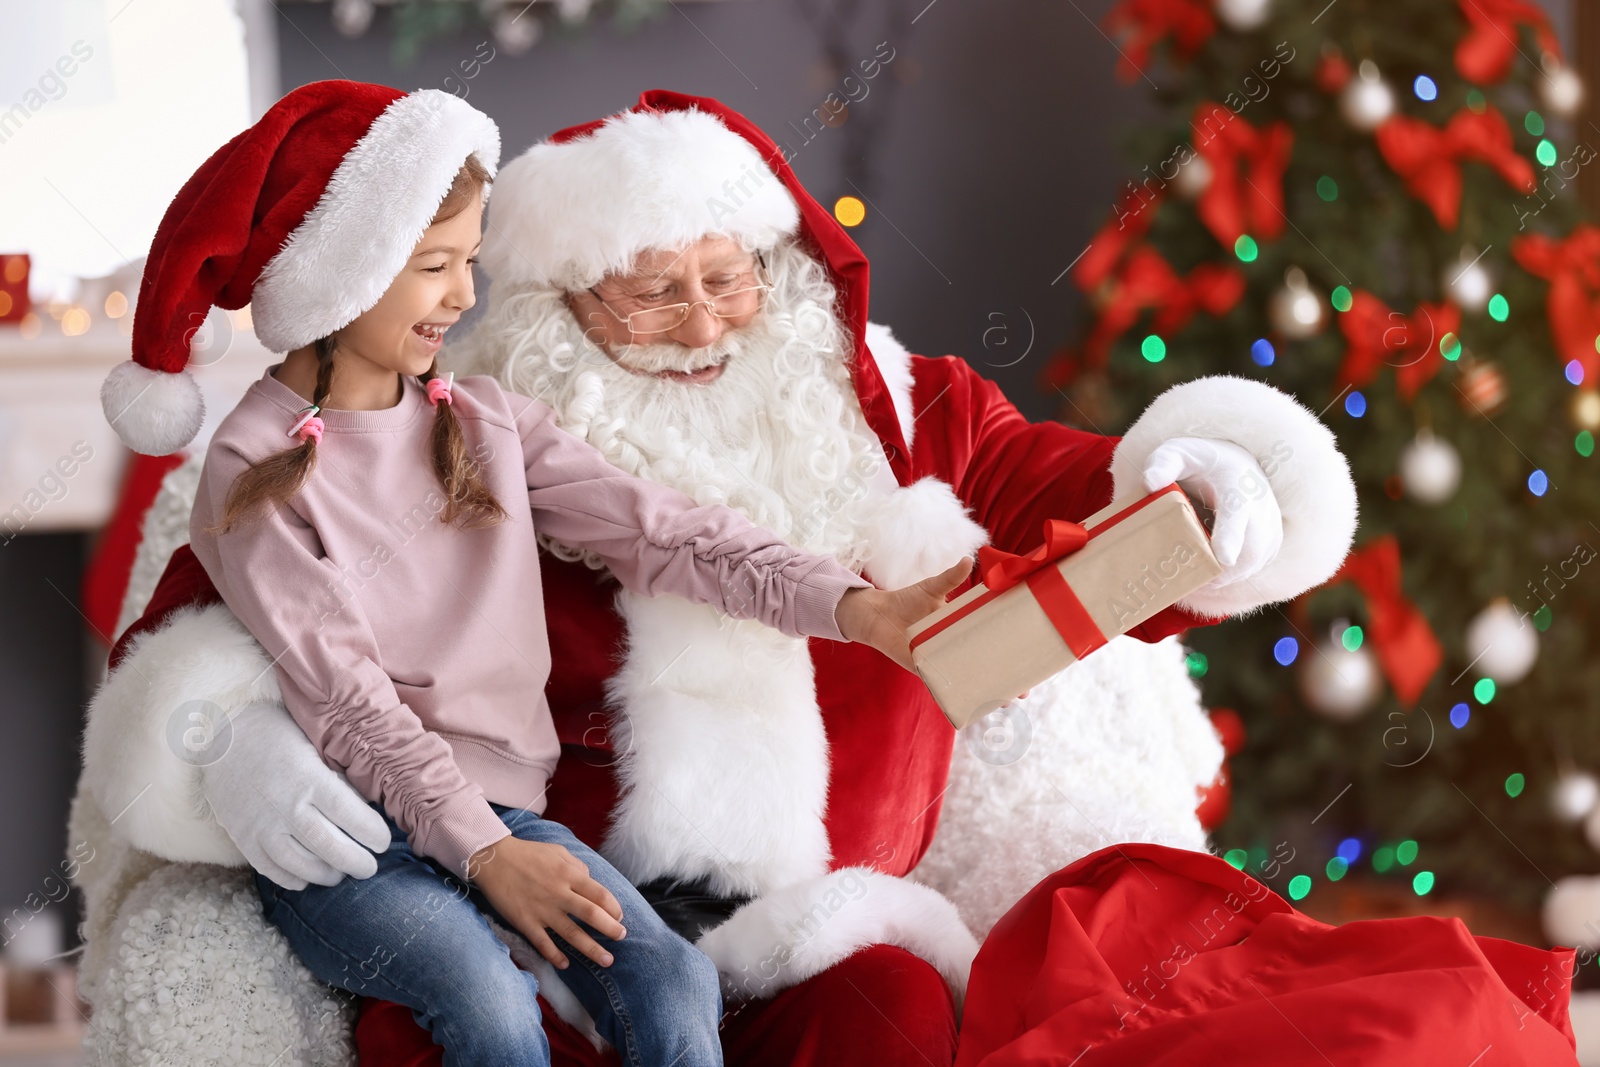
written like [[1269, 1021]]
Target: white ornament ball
[[1575, 797], [1367, 102], [1561, 90], [1572, 912], [352, 17], [516, 30], [1242, 16], [1296, 311], [1193, 177], [1430, 468], [1339, 683], [1468, 283], [1501, 643], [1591, 829]]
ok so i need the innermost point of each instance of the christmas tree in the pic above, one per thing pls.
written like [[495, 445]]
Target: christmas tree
[[1372, 206]]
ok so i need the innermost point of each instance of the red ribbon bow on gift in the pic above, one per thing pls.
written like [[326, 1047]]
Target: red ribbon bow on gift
[[1247, 165], [1378, 336], [1484, 54], [1408, 651], [1429, 159], [1145, 22], [1572, 267], [1000, 570], [1146, 280]]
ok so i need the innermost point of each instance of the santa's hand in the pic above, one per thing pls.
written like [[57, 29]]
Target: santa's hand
[[879, 617], [1246, 527], [295, 819]]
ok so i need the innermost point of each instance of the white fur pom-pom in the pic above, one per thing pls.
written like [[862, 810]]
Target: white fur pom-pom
[[154, 412]]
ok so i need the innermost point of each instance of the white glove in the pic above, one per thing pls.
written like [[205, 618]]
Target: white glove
[[1246, 527], [295, 819]]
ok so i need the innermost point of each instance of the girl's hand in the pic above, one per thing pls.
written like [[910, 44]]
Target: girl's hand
[[879, 617], [541, 887]]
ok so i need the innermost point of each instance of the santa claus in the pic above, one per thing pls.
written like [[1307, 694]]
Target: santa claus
[[661, 279]]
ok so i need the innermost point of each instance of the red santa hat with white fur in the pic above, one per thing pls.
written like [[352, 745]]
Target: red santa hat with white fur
[[307, 216]]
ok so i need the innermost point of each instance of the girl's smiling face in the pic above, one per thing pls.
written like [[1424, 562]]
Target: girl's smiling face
[[403, 331]]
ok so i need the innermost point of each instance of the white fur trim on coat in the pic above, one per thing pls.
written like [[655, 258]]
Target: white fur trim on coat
[[1307, 473], [134, 756], [384, 194], [722, 759], [894, 363], [568, 214], [786, 937]]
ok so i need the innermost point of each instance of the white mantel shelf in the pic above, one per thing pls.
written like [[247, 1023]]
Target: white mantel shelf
[[50, 407]]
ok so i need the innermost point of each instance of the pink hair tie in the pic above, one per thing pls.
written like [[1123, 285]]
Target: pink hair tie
[[439, 389], [308, 426]]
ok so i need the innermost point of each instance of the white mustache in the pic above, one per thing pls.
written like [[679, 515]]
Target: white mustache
[[654, 359]]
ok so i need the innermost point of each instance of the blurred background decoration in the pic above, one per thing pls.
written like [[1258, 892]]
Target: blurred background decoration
[[1376, 207]]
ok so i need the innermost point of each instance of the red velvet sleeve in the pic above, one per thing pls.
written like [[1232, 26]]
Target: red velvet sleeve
[[182, 584], [1011, 473]]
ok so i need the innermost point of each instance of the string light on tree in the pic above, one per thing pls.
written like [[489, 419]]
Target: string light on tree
[[1502, 644], [1430, 468], [1341, 678], [1296, 311], [1367, 101], [1242, 16], [1468, 282]]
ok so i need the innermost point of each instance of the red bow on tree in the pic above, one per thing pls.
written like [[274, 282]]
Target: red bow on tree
[[1572, 267], [1429, 158], [1144, 23], [1000, 570], [1130, 221], [1485, 53], [1146, 280], [1247, 165], [1408, 651], [1377, 337]]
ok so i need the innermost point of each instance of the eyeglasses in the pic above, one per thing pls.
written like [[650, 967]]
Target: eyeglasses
[[731, 305]]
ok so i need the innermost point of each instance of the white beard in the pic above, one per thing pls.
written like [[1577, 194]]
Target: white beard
[[778, 436]]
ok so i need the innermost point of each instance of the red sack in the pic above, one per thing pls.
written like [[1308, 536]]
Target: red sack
[[1147, 956]]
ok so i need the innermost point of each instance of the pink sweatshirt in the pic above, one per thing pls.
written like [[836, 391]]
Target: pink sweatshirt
[[414, 654]]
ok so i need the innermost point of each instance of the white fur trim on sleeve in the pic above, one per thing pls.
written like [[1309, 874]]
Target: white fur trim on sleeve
[[918, 530], [785, 937], [1308, 475], [136, 761]]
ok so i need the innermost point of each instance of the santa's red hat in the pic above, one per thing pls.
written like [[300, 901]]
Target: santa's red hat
[[587, 201], [307, 216]]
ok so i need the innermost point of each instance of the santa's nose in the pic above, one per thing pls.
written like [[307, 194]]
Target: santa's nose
[[700, 329]]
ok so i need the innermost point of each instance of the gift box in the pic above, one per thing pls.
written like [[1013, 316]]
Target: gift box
[[1036, 614], [13, 287]]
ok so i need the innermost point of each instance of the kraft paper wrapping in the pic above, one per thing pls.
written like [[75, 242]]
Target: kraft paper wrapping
[[1127, 572]]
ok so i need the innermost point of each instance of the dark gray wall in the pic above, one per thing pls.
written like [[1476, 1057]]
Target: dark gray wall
[[991, 136], [42, 693]]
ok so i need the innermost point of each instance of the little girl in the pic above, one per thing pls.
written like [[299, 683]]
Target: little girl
[[373, 525]]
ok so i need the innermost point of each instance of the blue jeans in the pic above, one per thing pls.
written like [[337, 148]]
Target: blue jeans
[[414, 934]]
